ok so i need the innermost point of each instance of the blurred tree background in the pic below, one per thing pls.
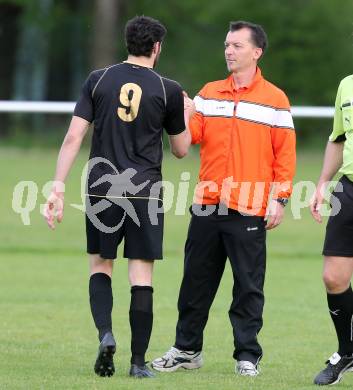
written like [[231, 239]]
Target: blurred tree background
[[48, 47]]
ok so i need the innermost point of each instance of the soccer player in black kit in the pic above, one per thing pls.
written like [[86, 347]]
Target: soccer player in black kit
[[129, 104]]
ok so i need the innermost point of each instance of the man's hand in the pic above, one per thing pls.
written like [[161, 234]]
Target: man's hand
[[332, 162], [54, 208], [189, 105], [275, 215], [316, 203]]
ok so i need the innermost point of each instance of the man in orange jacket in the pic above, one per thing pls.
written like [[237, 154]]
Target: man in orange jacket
[[247, 148]]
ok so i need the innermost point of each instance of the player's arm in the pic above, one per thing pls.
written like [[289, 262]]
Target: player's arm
[[180, 143], [333, 158], [70, 147], [83, 116], [54, 207], [332, 163], [175, 122]]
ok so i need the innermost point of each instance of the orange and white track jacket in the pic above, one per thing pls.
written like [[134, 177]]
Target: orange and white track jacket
[[247, 144]]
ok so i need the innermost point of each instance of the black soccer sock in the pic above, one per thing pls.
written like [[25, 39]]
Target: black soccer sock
[[141, 320], [341, 310], [101, 300]]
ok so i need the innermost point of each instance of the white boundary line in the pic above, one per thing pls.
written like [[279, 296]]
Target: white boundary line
[[68, 108]]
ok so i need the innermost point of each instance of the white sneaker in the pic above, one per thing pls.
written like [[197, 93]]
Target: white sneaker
[[245, 368], [175, 358]]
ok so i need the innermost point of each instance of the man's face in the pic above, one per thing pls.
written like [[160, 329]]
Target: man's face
[[240, 52]]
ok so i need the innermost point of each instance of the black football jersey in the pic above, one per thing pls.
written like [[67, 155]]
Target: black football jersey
[[130, 106]]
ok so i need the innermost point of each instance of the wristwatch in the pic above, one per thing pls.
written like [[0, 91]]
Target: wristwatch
[[282, 201]]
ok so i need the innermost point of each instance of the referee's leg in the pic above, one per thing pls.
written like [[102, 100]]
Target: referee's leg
[[337, 276], [203, 269], [338, 267]]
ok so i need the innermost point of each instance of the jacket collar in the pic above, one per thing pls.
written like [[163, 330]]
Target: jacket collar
[[228, 85]]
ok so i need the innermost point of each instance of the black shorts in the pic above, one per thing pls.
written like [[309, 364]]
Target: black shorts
[[339, 229], [105, 229]]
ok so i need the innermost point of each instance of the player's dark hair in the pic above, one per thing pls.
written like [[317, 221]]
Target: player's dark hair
[[141, 33], [258, 35]]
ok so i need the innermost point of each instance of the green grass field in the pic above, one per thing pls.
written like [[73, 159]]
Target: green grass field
[[47, 337]]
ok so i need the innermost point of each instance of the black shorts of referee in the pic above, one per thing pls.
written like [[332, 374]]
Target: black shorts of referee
[[339, 229], [138, 220]]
